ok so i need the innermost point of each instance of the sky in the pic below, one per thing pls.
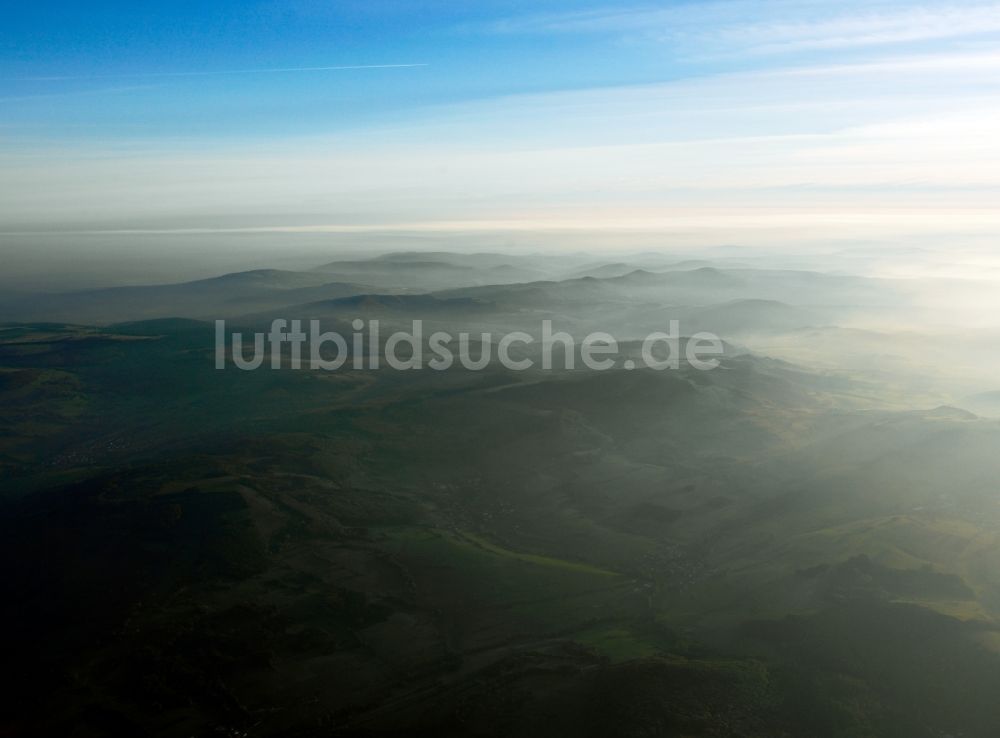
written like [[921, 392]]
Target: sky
[[795, 119]]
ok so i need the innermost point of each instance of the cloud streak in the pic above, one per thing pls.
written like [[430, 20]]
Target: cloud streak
[[218, 72], [750, 28], [923, 23]]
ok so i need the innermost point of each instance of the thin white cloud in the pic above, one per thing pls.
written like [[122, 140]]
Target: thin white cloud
[[920, 23], [76, 93], [616, 19], [987, 61], [219, 72], [759, 28]]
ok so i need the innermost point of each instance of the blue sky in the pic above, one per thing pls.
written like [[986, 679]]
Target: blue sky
[[796, 113], [81, 70]]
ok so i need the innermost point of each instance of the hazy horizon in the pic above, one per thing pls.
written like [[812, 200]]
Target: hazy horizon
[[791, 118]]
